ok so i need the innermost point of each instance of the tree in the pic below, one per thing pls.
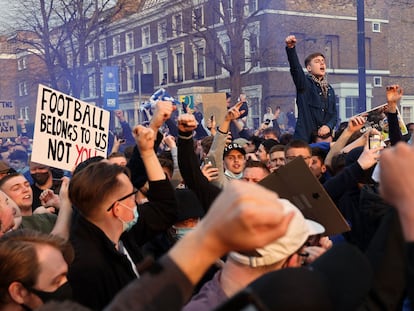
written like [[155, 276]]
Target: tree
[[60, 32], [231, 38]]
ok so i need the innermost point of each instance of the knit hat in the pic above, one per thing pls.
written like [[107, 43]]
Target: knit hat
[[233, 146], [298, 232]]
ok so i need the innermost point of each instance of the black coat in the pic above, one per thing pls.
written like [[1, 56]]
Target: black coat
[[99, 271]]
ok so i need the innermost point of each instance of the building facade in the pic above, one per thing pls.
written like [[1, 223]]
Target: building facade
[[160, 42]]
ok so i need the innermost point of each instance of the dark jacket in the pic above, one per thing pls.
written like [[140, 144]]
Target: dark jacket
[[191, 173], [313, 109], [99, 271]]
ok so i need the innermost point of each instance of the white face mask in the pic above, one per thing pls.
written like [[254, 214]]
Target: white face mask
[[127, 225]]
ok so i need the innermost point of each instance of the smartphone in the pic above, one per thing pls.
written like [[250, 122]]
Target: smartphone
[[210, 160], [122, 141], [267, 122], [374, 141], [56, 184]]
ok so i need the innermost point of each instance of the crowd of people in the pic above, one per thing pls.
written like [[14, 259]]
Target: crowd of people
[[175, 217]]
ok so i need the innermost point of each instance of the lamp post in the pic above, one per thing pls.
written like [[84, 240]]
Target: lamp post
[[362, 87]]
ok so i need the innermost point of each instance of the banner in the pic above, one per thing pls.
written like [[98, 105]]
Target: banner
[[110, 84], [8, 124], [67, 130]]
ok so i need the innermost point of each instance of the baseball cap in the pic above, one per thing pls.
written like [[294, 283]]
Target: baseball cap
[[297, 234], [233, 146]]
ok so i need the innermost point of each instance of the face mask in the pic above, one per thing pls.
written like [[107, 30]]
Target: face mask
[[127, 225], [180, 232], [64, 292], [40, 178]]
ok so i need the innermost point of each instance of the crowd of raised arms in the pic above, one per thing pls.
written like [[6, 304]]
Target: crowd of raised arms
[[176, 217]]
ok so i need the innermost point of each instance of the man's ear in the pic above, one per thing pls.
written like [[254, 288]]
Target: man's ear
[[323, 168], [18, 292], [308, 68]]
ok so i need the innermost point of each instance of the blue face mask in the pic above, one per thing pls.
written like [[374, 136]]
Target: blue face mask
[[127, 225], [180, 232]]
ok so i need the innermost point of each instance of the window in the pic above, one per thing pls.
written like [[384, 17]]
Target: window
[[102, 49], [129, 41], [24, 113], [377, 81], [22, 89], [91, 55], [252, 6], [351, 106], [162, 31], [198, 17], [146, 36], [116, 44], [227, 9], [177, 23], [407, 114], [200, 62], [146, 63], [253, 50], [199, 59], [21, 63], [376, 27], [163, 67], [180, 67], [69, 59], [92, 85], [130, 70], [227, 51]]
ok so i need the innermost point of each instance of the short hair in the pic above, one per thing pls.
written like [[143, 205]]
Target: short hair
[[277, 148], [8, 177], [269, 143], [19, 261], [253, 163], [297, 143], [19, 155], [93, 184], [309, 58], [116, 155], [271, 130], [285, 138], [320, 153]]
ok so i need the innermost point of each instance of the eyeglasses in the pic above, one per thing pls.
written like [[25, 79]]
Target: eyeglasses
[[123, 198]]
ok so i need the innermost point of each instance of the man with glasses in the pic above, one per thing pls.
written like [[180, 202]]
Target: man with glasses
[[298, 148], [111, 227]]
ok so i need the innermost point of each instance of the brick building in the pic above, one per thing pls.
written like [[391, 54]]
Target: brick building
[[155, 41]]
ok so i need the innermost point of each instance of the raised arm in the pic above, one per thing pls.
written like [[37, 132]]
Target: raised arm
[[189, 164], [394, 94], [354, 124], [219, 142]]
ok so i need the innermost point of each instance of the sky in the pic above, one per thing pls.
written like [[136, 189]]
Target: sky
[[5, 11]]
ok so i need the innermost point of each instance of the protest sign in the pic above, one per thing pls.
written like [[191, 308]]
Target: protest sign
[[213, 104], [8, 124], [67, 130]]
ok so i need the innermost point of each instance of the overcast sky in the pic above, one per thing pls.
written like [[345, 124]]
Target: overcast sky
[[5, 6]]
